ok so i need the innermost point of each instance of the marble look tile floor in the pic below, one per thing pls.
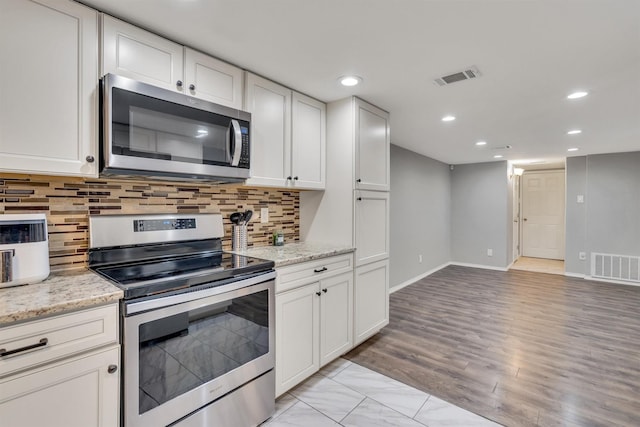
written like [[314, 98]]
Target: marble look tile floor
[[346, 394]]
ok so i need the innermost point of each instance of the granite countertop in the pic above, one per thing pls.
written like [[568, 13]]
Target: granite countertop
[[60, 292], [293, 253]]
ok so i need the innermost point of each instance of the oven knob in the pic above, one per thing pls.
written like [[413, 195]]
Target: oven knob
[[112, 368]]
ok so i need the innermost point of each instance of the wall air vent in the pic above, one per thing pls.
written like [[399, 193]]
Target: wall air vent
[[468, 73]]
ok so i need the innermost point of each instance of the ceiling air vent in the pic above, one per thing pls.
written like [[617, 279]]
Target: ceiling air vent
[[469, 73]]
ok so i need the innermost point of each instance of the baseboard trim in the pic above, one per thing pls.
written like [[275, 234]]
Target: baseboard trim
[[415, 279], [616, 282], [486, 267], [576, 275]]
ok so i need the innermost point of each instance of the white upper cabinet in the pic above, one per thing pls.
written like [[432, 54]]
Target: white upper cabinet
[[48, 87], [211, 79], [372, 143], [308, 142], [143, 56], [270, 108], [138, 54], [288, 141]]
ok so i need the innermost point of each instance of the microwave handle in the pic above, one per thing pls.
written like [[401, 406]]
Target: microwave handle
[[237, 145]]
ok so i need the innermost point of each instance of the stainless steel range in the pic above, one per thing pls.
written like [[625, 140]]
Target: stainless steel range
[[197, 323]]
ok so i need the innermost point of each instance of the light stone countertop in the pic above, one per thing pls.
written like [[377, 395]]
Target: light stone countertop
[[59, 293], [293, 253]]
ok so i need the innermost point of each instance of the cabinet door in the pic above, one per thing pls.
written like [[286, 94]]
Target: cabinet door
[[308, 142], [372, 147], [270, 108], [336, 317], [371, 226], [138, 54], [78, 392], [48, 87], [371, 299], [212, 79], [297, 320]]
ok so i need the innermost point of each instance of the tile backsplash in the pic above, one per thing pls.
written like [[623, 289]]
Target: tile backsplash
[[68, 201]]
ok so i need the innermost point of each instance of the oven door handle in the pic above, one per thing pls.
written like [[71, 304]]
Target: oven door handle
[[161, 302], [234, 135]]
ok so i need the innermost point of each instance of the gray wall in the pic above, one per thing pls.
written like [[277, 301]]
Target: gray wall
[[480, 214], [420, 214], [609, 219]]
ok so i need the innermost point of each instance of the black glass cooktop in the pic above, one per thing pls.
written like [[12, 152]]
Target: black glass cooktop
[[150, 277]]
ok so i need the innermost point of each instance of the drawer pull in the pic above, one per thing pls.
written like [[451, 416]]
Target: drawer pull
[[112, 369], [324, 290], [318, 293], [4, 352], [320, 270]]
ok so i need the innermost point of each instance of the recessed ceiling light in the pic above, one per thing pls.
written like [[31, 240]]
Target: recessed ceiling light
[[572, 149], [578, 94], [480, 143], [498, 156], [574, 132], [350, 80], [448, 118]]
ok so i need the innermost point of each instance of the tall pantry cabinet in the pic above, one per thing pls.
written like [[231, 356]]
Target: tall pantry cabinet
[[354, 208]]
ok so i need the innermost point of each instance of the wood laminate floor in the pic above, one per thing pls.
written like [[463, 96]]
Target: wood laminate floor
[[519, 348]]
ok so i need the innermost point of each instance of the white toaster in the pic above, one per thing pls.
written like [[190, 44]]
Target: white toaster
[[24, 249]]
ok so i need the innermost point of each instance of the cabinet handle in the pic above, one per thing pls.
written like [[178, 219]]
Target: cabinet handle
[[295, 177], [112, 369], [288, 178], [179, 83], [4, 352], [192, 87], [358, 180], [324, 290], [318, 293], [359, 198], [320, 270], [90, 159]]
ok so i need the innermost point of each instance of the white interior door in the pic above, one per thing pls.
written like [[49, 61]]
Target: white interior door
[[516, 217], [543, 210]]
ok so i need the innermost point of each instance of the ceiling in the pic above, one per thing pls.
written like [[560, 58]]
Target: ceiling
[[531, 53]]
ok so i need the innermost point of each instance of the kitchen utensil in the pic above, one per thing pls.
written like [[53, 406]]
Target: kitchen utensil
[[247, 216], [236, 217]]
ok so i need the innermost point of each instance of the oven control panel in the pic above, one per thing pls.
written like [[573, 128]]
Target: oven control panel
[[163, 224]]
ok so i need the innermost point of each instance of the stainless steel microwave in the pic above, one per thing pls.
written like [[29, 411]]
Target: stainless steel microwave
[[150, 131]]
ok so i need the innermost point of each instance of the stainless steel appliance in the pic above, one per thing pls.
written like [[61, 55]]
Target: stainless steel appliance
[[24, 249], [197, 323], [152, 131]]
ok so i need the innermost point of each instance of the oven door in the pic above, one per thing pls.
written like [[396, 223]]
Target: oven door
[[181, 357], [153, 131]]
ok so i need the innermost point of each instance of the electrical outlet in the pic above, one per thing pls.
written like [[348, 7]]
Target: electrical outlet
[[264, 215], [420, 258], [489, 252], [582, 256], [580, 198]]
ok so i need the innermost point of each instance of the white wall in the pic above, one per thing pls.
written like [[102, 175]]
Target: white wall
[[609, 219], [420, 215], [481, 214]]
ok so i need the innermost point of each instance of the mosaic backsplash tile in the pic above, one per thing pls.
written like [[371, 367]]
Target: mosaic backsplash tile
[[68, 201]]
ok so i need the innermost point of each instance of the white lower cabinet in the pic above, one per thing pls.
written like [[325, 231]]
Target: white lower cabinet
[[61, 371], [78, 392], [371, 299], [313, 326]]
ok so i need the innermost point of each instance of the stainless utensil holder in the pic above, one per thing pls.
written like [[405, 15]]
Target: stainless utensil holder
[[239, 238]]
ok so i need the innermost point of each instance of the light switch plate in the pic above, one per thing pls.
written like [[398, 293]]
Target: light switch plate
[[580, 198], [264, 215]]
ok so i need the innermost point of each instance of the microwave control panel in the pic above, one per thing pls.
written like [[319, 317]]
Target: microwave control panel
[[245, 152]]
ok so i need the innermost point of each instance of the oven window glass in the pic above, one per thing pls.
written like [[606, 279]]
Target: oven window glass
[[148, 127], [183, 351]]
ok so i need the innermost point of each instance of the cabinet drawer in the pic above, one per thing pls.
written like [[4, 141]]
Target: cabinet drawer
[[58, 336], [296, 275]]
